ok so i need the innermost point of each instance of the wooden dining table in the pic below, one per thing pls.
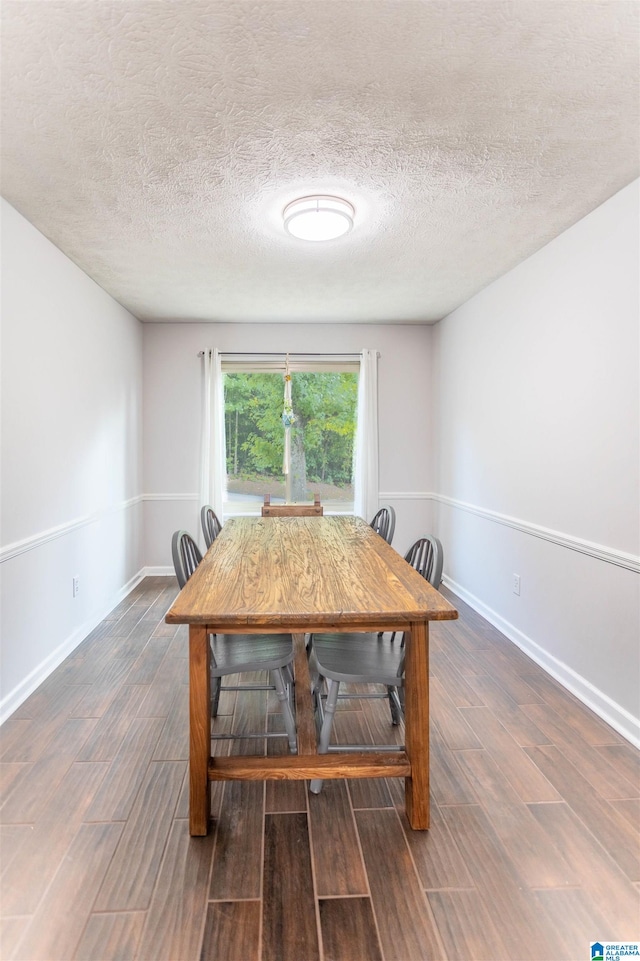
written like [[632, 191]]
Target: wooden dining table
[[299, 575]]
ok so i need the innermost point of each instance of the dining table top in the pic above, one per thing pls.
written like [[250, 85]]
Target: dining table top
[[305, 574]]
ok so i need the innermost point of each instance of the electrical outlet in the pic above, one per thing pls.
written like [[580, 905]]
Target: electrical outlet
[[516, 583], [76, 585]]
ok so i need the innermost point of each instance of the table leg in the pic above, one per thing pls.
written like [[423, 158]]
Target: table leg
[[199, 730], [417, 725]]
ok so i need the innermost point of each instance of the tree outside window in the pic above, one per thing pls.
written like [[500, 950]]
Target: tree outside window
[[322, 436]]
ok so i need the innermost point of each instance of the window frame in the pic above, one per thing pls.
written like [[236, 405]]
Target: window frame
[[262, 363]]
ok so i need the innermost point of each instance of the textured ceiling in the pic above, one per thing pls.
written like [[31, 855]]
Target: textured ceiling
[[156, 143]]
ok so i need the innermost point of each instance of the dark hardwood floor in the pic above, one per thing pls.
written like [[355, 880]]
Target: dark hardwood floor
[[534, 849]]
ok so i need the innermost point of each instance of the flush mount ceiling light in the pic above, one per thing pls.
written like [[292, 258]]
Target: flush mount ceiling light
[[318, 218]]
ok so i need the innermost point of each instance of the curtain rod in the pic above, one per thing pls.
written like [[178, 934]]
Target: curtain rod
[[280, 353]]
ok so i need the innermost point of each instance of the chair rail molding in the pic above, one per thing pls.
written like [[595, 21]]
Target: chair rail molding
[[62, 530], [406, 496], [600, 551], [170, 497]]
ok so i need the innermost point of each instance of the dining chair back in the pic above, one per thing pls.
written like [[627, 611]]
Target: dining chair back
[[425, 556], [211, 525], [242, 653], [292, 510], [186, 556], [384, 523], [362, 658]]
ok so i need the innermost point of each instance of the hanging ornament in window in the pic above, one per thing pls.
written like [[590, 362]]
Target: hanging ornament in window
[[288, 418]]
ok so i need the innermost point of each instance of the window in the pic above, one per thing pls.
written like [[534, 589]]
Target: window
[[335, 427], [324, 400]]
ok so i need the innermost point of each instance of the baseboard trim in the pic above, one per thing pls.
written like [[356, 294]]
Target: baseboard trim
[[27, 686], [160, 571], [596, 700]]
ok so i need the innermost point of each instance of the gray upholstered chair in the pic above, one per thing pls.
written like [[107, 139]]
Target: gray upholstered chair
[[240, 653], [384, 522], [211, 525], [359, 658]]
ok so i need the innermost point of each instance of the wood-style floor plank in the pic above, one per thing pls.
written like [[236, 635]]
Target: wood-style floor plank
[[467, 927], [232, 931], [29, 874], [70, 896], [610, 894], [173, 744], [607, 779], [132, 874], [627, 760], [514, 825], [437, 858], [10, 771], [282, 797], [512, 715], [30, 792], [612, 829], [630, 810], [339, 870], [104, 689], [590, 727], [161, 694], [237, 870], [527, 936], [459, 689], [448, 782], [457, 734], [145, 667], [109, 731], [11, 931], [523, 774], [127, 771], [525, 859], [349, 930], [289, 927], [28, 740], [173, 927], [573, 914], [12, 840], [406, 926], [17, 745], [110, 937]]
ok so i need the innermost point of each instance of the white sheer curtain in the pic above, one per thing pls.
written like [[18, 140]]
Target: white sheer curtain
[[366, 448], [213, 474]]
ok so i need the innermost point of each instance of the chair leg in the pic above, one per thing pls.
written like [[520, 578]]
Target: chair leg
[[287, 713], [325, 734], [396, 703], [216, 683], [394, 719]]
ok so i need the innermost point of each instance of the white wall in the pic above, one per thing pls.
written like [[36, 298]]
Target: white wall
[[172, 403], [536, 399], [71, 456]]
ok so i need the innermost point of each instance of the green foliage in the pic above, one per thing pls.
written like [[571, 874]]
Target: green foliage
[[325, 409]]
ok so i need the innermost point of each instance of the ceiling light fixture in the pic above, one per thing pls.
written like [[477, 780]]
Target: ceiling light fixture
[[318, 218]]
